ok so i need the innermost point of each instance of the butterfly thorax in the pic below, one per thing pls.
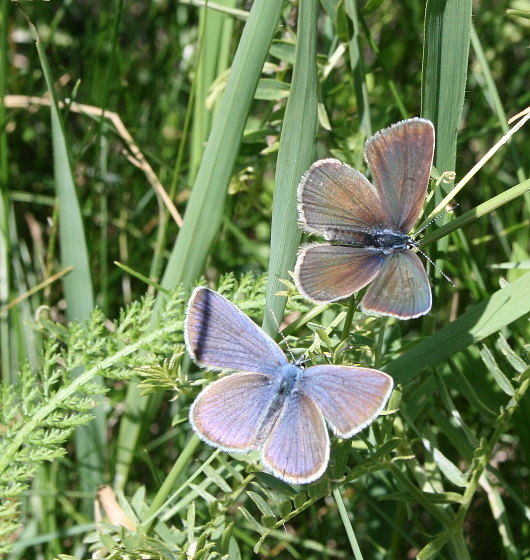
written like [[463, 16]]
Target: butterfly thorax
[[287, 383], [288, 379], [388, 240], [383, 240]]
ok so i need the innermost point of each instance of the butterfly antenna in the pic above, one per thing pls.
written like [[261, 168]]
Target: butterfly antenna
[[281, 334], [435, 218], [297, 361], [437, 268], [426, 257]]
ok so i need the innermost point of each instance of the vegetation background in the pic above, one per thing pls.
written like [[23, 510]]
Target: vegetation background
[[167, 109]]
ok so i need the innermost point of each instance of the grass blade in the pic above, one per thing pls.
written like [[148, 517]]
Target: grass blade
[[294, 157], [445, 59], [90, 440]]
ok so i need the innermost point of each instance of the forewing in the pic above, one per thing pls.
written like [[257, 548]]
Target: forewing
[[297, 449], [349, 397], [229, 413], [400, 160], [333, 197], [219, 335], [326, 273], [401, 289]]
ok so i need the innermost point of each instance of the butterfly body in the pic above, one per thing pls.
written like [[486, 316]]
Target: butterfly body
[[384, 240], [272, 405], [368, 224], [289, 379], [284, 387]]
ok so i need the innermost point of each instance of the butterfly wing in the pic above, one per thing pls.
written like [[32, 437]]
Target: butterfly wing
[[230, 412], [401, 289], [297, 448], [325, 273], [400, 160], [333, 198], [349, 397], [219, 335]]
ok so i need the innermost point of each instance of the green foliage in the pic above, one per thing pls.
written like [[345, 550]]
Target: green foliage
[[40, 411], [219, 106], [47, 404]]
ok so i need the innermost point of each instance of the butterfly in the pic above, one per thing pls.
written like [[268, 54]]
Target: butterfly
[[271, 405], [368, 224]]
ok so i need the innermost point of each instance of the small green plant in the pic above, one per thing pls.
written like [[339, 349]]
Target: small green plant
[[40, 411]]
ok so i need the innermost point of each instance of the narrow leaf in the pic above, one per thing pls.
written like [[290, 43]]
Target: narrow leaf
[[502, 381], [294, 158]]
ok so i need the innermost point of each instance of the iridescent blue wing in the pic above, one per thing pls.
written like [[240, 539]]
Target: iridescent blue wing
[[400, 160], [333, 197], [219, 336], [297, 448], [325, 273], [230, 412], [401, 289], [349, 397]]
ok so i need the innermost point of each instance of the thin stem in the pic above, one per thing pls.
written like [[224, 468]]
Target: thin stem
[[172, 477], [380, 339], [347, 524], [349, 319]]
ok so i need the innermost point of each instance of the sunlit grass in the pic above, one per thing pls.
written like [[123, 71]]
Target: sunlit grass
[[202, 93]]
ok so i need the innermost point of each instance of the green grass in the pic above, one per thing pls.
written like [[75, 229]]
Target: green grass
[[225, 108]]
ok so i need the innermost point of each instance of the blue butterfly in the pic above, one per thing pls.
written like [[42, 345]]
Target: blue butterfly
[[367, 225], [271, 405]]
